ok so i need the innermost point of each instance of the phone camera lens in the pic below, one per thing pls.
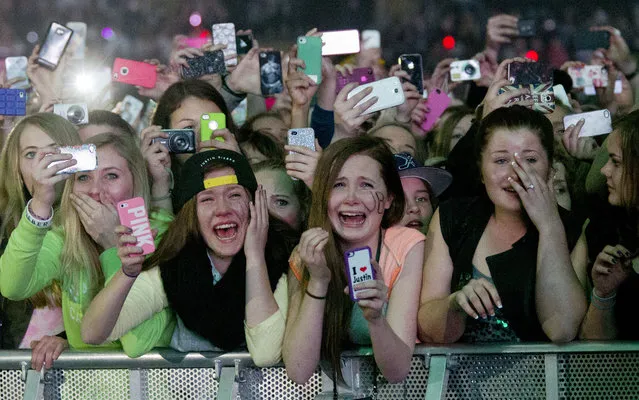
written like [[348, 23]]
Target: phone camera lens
[[124, 71], [294, 133], [123, 205], [213, 125], [396, 90]]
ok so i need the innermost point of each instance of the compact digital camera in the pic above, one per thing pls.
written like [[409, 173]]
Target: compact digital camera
[[179, 140], [77, 114], [466, 70]]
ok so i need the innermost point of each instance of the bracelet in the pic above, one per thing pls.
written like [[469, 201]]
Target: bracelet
[[603, 299], [603, 303], [315, 297], [226, 87], [37, 220], [130, 276]]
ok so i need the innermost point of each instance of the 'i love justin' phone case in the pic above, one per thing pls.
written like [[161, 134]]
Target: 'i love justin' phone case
[[358, 268]]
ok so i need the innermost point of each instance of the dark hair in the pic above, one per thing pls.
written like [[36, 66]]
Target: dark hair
[[420, 148], [175, 95], [628, 129], [265, 144], [512, 118], [247, 128], [113, 120]]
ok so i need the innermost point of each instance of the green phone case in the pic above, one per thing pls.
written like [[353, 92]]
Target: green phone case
[[309, 49], [209, 123]]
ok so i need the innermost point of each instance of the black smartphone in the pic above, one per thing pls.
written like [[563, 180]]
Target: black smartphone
[[271, 72], [587, 40], [212, 62], [412, 64], [243, 43], [54, 45], [527, 27]]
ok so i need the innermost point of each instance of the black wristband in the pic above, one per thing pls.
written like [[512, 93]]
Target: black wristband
[[228, 89], [130, 276], [632, 75], [315, 297]]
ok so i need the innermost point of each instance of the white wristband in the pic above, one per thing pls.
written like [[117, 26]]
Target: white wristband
[[40, 223]]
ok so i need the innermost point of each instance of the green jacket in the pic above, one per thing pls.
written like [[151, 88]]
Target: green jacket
[[31, 262]]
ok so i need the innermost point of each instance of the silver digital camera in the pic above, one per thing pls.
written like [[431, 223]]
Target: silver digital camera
[[77, 114]]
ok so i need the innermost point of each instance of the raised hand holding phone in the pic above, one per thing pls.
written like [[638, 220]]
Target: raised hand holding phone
[[133, 215], [45, 176]]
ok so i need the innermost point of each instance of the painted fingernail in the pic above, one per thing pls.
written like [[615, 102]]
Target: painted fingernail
[[476, 316], [483, 316], [499, 305], [492, 314], [517, 155], [513, 163]]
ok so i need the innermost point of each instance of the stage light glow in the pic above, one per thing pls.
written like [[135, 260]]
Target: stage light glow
[[107, 33], [195, 19], [532, 54], [448, 42], [32, 37]]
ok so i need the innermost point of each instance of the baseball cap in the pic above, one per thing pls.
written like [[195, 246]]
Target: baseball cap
[[192, 180], [437, 178]]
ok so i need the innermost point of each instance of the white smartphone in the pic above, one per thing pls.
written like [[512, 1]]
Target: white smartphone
[[340, 42], [596, 122], [131, 109], [225, 34], [304, 137], [16, 67], [388, 91], [371, 39], [77, 45]]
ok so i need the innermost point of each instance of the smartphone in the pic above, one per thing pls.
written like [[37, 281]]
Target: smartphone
[[309, 49], [589, 75], [131, 109], [340, 42], [586, 40], [54, 45], [13, 102], [180, 141], [132, 213], [134, 73], [560, 94], [359, 75], [16, 67], [465, 70], [358, 268], [529, 73], [371, 39], [225, 34], [437, 102], [388, 91], [243, 43], [85, 155], [412, 64], [146, 119], [526, 27], [596, 122], [304, 137], [212, 62], [271, 73], [209, 123], [77, 45], [543, 96]]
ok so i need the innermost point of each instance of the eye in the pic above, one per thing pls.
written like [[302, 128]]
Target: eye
[[422, 199], [82, 177], [501, 161], [366, 185], [188, 127], [235, 195], [111, 176], [531, 160], [30, 155], [281, 203], [338, 185]]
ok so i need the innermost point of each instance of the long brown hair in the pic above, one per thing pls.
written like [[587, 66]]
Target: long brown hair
[[628, 131], [338, 308]]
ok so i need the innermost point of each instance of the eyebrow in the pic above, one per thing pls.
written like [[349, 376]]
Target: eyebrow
[[111, 168], [36, 147]]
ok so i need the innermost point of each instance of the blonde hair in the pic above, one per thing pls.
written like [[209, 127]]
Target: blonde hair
[[80, 254], [14, 194]]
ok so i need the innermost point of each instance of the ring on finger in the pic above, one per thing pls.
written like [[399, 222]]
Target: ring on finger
[[530, 187]]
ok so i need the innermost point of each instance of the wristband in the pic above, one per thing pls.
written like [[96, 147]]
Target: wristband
[[603, 303], [37, 220], [130, 276], [315, 297], [228, 89]]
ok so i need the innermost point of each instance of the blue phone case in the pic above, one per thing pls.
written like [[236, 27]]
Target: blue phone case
[[13, 102], [355, 259]]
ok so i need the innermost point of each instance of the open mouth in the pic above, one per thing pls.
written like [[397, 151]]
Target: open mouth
[[352, 218], [417, 224], [225, 232]]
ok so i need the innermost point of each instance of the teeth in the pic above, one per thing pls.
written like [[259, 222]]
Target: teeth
[[352, 214], [226, 226]]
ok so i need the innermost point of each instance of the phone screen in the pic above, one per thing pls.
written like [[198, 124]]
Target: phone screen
[[54, 44], [271, 73], [412, 64]]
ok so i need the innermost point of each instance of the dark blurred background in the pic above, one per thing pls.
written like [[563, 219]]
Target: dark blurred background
[[144, 29]]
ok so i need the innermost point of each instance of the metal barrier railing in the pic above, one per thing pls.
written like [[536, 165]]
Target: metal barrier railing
[[579, 370]]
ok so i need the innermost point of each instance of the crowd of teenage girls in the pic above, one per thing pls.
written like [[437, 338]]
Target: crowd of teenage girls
[[499, 224]]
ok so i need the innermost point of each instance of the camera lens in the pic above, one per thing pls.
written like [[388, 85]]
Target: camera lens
[[294, 133], [469, 69], [396, 90], [179, 143], [124, 71], [213, 125], [75, 114]]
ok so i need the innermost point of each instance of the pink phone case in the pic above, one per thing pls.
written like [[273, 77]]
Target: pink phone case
[[437, 103], [359, 75], [132, 213], [134, 73], [358, 268]]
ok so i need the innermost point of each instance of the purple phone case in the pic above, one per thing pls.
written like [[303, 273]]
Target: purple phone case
[[348, 268], [360, 75]]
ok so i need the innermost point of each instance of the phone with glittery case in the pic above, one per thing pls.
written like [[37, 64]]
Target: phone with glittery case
[[225, 34], [304, 137], [358, 268], [132, 213]]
